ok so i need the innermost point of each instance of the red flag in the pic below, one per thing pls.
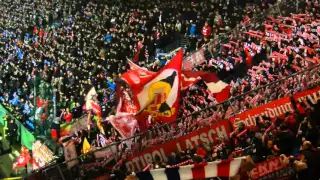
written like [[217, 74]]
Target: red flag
[[126, 104], [23, 159], [96, 108], [158, 94], [189, 78], [136, 77], [186, 80], [136, 56], [142, 71], [220, 89], [124, 123], [39, 101]]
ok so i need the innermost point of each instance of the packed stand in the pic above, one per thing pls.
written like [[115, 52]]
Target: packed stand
[[263, 148], [54, 47], [65, 55], [264, 68], [252, 63], [297, 145], [294, 138]]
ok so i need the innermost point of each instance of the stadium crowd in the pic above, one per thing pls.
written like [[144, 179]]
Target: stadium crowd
[[264, 65], [75, 45]]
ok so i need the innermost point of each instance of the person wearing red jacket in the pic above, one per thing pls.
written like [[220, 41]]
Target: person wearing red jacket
[[67, 116], [206, 31]]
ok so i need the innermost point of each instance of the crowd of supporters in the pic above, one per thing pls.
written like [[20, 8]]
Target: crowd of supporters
[[74, 45]]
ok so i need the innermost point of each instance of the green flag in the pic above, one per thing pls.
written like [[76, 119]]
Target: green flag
[[2, 114], [26, 138]]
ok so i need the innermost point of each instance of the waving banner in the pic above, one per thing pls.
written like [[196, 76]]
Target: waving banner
[[158, 95]]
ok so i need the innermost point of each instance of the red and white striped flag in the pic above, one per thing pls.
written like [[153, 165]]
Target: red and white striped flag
[[225, 168], [218, 88]]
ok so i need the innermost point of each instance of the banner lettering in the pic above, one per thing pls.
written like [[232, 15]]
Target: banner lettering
[[313, 95], [204, 135], [273, 110], [271, 169]]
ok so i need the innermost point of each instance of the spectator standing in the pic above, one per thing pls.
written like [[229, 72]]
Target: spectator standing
[[312, 133], [206, 31], [67, 116], [13, 128], [285, 140]]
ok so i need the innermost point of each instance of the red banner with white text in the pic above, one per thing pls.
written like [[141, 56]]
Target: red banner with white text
[[271, 169], [205, 135], [313, 95], [273, 110]]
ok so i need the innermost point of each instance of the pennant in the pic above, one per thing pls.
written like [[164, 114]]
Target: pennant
[[90, 98], [86, 146]]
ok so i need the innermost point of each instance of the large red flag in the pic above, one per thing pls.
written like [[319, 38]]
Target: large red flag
[[158, 95], [188, 78]]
